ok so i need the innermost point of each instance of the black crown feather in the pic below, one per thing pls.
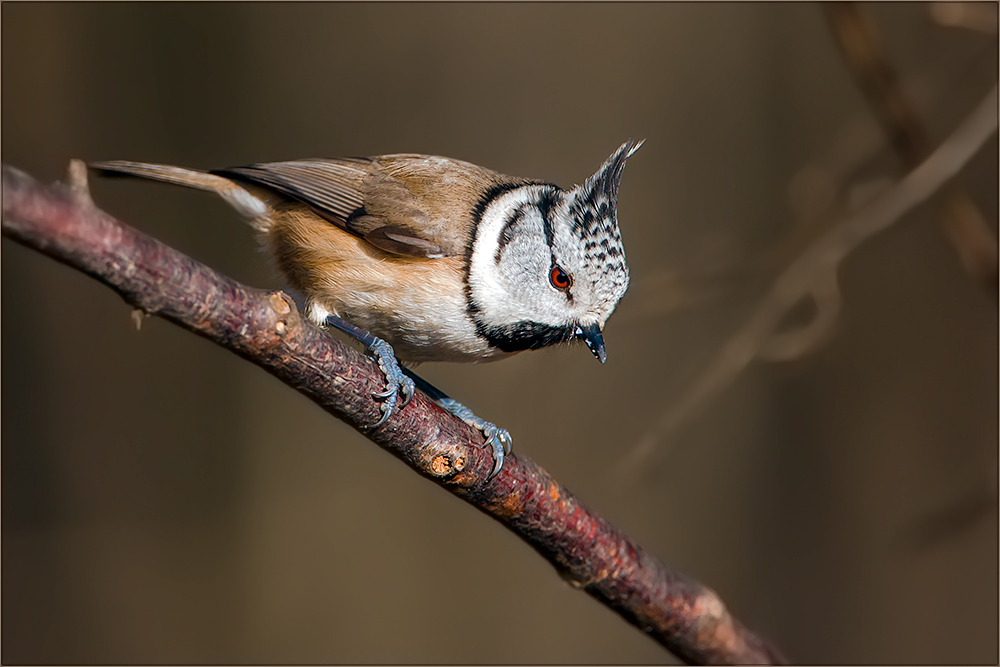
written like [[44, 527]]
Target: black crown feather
[[596, 202], [594, 209]]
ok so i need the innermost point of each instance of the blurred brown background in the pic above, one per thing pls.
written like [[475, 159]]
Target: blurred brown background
[[164, 501]]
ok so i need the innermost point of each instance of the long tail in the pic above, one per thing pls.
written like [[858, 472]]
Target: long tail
[[253, 207]]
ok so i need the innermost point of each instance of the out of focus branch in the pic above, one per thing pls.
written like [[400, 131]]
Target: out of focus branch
[[821, 191], [814, 273], [978, 16], [961, 220], [265, 328]]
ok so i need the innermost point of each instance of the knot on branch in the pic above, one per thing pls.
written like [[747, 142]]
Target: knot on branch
[[445, 465], [280, 304]]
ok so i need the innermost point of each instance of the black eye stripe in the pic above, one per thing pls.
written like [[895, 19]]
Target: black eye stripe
[[547, 202]]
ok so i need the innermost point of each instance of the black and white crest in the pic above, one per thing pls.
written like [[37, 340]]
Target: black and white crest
[[593, 208]]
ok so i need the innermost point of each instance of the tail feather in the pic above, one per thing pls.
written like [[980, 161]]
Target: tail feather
[[192, 178], [238, 197]]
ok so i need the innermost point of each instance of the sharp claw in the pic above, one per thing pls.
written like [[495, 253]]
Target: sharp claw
[[395, 379], [382, 420], [397, 382], [387, 408], [498, 439], [408, 391], [497, 463]]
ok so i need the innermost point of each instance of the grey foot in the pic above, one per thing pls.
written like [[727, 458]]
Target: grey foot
[[497, 438], [396, 382]]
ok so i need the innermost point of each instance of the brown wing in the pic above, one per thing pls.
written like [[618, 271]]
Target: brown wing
[[331, 188], [413, 205], [338, 191]]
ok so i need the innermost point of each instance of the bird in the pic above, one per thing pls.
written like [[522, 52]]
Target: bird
[[425, 258]]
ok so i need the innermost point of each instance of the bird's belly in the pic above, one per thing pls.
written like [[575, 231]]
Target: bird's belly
[[418, 329], [416, 305]]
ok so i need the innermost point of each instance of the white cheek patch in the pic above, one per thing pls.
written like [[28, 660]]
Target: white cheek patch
[[504, 293]]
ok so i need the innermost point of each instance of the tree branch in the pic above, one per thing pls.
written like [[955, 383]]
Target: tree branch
[[266, 329]]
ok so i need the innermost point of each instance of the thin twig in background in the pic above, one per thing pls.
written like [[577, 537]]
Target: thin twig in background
[[978, 503], [979, 16], [817, 267], [961, 220], [824, 189], [265, 328], [821, 191]]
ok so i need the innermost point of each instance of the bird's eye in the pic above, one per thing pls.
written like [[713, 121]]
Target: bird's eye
[[559, 278]]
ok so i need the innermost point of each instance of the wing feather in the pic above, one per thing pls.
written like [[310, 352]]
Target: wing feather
[[331, 186], [411, 205]]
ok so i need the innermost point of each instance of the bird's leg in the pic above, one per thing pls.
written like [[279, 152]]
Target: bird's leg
[[497, 438], [397, 383]]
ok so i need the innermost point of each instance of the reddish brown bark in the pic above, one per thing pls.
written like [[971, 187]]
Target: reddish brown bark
[[265, 328]]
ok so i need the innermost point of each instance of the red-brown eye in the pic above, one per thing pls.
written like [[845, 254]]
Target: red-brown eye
[[560, 279]]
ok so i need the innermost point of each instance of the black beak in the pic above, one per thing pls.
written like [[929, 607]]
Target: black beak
[[591, 335]]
